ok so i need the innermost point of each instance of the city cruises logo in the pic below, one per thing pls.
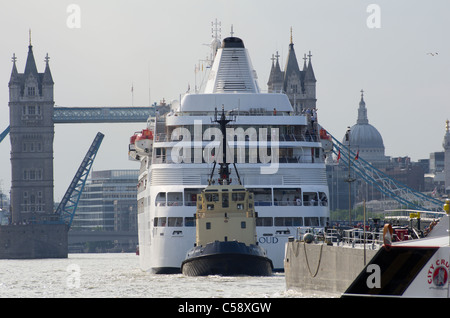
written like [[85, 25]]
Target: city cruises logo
[[437, 276], [244, 146]]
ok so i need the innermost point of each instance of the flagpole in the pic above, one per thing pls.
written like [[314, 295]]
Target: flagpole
[[132, 95], [349, 179]]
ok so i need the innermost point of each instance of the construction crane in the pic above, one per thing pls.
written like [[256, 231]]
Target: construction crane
[[4, 133], [68, 205], [403, 194]]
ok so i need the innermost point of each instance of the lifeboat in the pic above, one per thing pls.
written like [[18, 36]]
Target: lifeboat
[[143, 142], [132, 155], [325, 139]]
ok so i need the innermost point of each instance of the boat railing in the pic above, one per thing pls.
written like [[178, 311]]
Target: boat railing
[[162, 137], [282, 159], [354, 237]]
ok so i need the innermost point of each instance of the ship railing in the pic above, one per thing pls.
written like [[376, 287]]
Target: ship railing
[[354, 237], [162, 137], [158, 159]]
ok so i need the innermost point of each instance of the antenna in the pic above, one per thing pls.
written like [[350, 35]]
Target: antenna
[[216, 28], [224, 171]]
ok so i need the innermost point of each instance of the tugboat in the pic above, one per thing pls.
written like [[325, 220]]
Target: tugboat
[[226, 227]]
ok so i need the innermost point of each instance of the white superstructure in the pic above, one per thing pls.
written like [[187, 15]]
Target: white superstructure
[[278, 153]]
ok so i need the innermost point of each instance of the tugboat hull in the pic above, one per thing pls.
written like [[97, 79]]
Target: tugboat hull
[[227, 259]]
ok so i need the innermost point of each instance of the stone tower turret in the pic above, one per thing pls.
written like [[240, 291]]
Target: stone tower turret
[[32, 130], [298, 85]]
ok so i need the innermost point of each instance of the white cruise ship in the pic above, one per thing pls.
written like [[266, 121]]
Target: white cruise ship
[[278, 153]]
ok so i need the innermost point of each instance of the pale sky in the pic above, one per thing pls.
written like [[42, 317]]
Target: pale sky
[[154, 46]]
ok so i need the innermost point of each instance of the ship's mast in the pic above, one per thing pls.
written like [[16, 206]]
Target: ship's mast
[[224, 171]]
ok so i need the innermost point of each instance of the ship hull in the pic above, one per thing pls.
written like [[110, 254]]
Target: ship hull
[[227, 259]]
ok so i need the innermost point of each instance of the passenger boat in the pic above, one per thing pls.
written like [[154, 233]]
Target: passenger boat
[[226, 242], [412, 268], [276, 148]]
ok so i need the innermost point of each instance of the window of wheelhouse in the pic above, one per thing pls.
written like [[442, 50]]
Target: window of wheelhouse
[[225, 198], [211, 196]]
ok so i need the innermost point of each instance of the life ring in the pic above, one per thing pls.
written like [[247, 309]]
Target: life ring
[[387, 236]]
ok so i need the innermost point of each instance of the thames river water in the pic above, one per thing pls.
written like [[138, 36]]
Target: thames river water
[[119, 276]]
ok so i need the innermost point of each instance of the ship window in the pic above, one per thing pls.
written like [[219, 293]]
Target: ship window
[[225, 200], [160, 199], [210, 206], [264, 221], [310, 198], [311, 221], [175, 221], [212, 197], [159, 221], [324, 221], [288, 221], [243, 225], [287, 196], [174, 198], [208, 225], [189, 221], [239, 196], [240, 206], [190, 196], [263, 196], [323, 201]]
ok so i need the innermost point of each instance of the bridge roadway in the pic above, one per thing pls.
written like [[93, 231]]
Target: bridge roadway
[[72, 115]]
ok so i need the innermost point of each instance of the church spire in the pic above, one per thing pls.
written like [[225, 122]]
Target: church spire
[[362, 111]]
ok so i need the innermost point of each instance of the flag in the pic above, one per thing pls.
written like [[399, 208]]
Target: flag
[[434, 192], [339, 155], [357, 155]]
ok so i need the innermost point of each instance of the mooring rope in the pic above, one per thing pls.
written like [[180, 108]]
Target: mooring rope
[[307, 261]]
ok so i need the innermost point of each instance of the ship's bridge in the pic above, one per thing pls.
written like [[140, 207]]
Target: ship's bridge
[[239, 102]]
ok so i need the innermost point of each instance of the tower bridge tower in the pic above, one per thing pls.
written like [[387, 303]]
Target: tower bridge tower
[[32, 129], [299, 86]]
